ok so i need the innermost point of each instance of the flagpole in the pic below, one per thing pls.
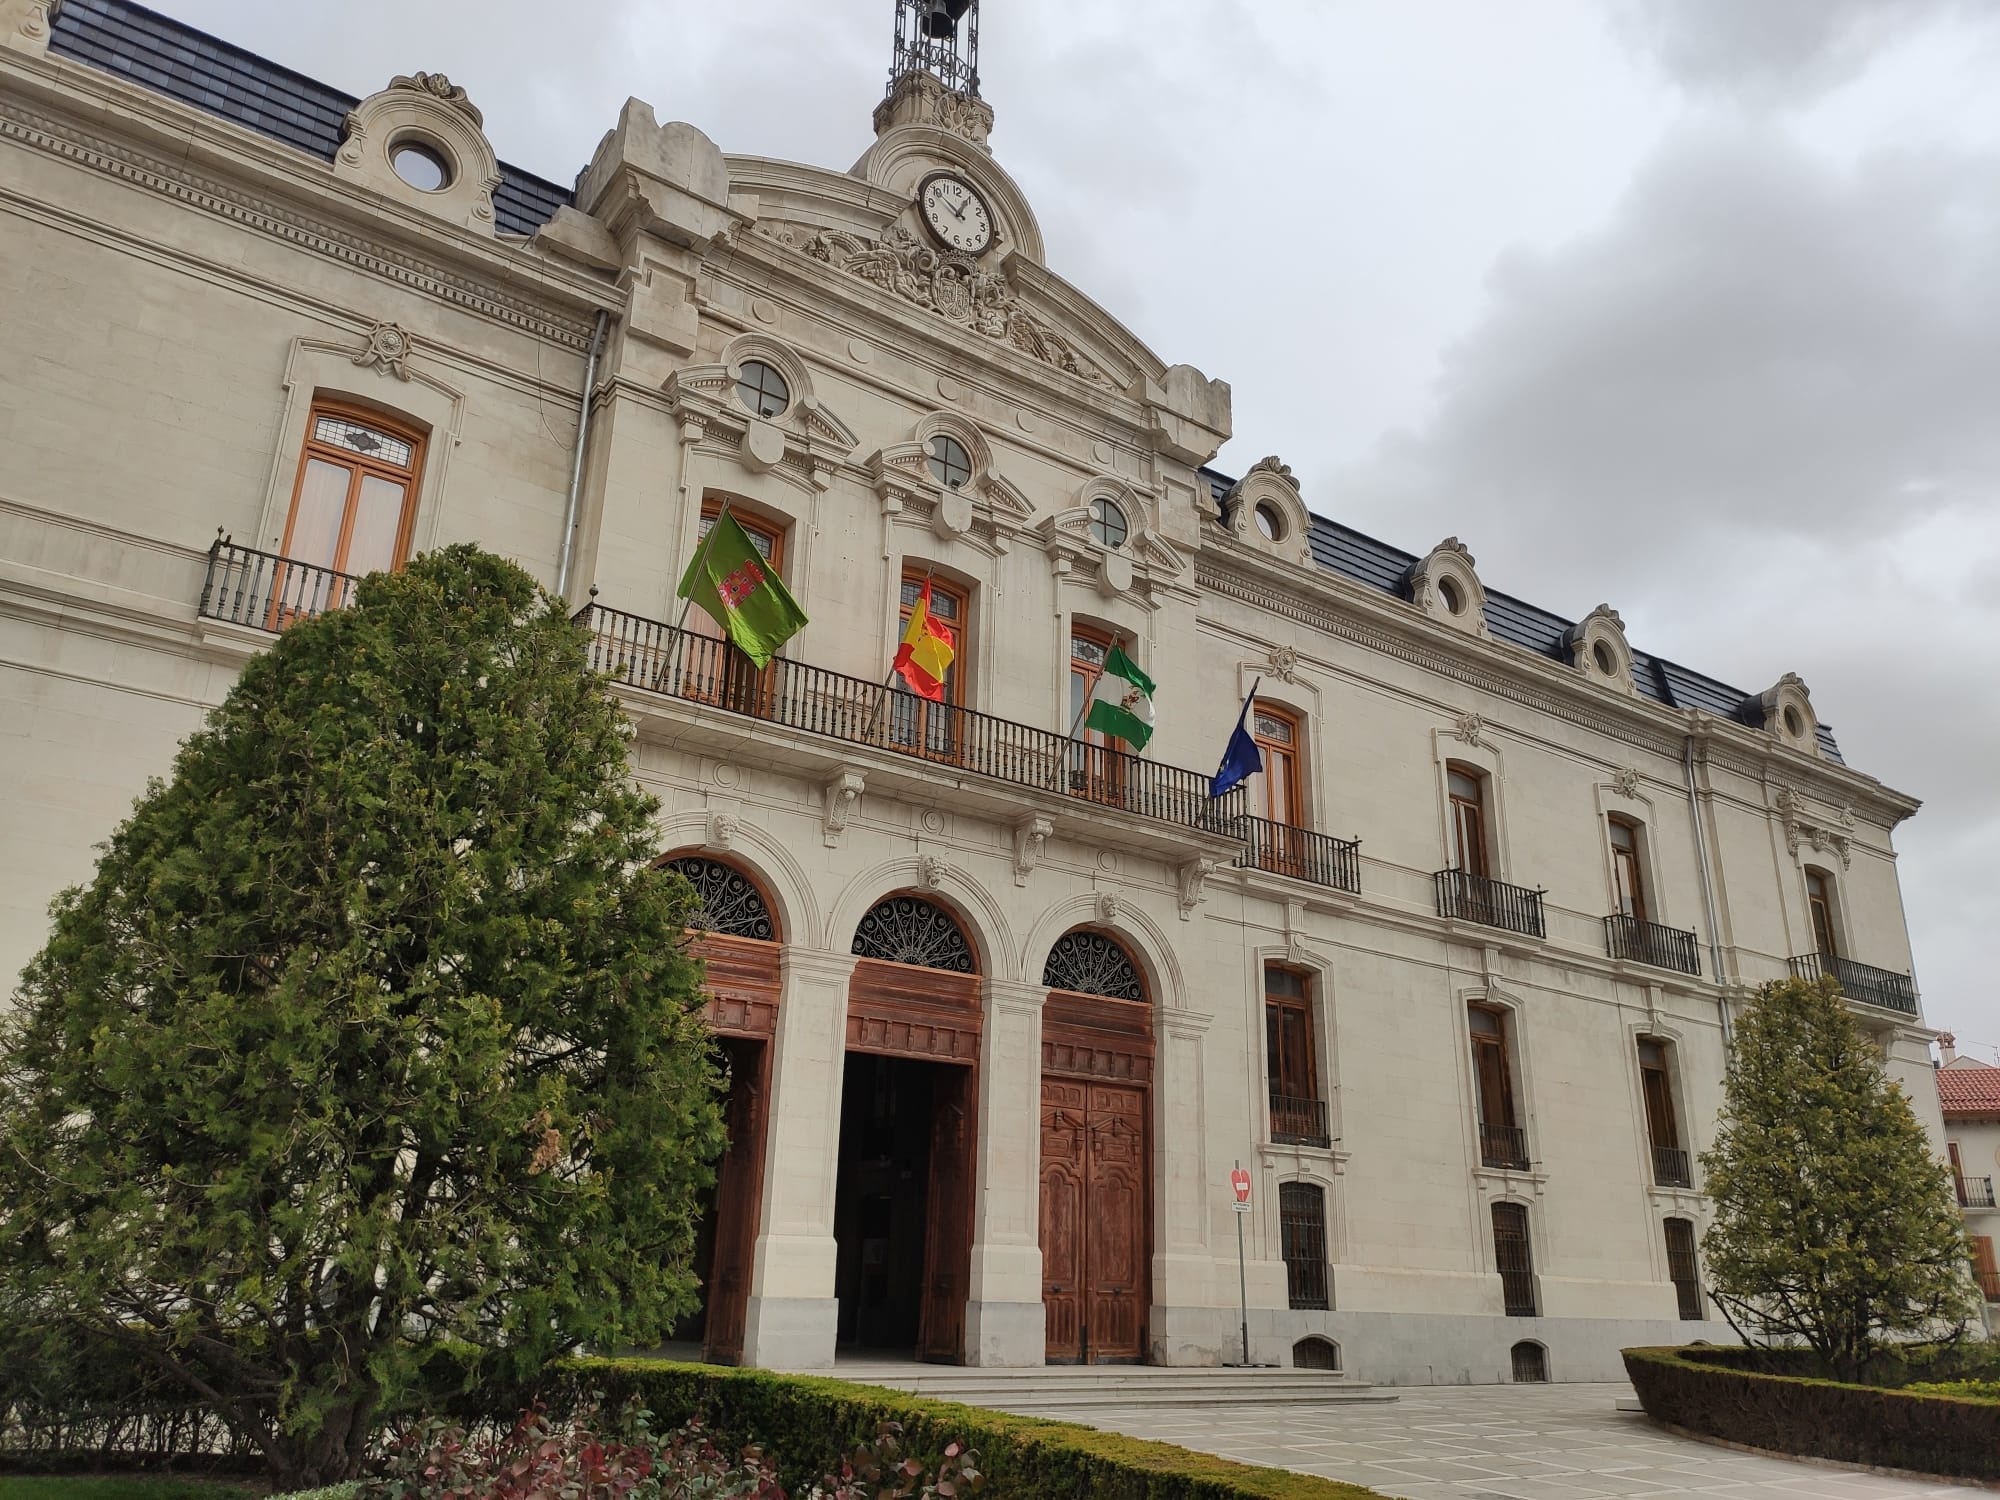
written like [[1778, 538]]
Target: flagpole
[[1076, 723], [889, 678]]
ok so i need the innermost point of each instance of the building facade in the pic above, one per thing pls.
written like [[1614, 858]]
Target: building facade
[[1969, 1099], [1452, 978]]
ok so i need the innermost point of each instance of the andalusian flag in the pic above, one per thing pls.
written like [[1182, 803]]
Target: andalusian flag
[[926, 652], [1121, 704], [729, 578]]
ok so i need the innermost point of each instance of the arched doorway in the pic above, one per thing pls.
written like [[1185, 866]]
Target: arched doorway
[[903, 1192], [1097, 1075], [736, 936]]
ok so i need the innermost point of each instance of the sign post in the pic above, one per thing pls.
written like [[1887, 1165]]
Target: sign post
[[1239, 1184]]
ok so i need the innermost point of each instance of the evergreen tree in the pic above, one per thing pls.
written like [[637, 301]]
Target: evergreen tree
[[374, 1029], [1835, 1223]]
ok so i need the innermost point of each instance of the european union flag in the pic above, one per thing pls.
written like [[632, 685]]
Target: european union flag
[[1241, 759]]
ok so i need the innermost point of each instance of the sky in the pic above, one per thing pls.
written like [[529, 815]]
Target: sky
[[1687, 306]]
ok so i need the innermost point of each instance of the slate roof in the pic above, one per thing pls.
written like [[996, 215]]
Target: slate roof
[[1969, 1089], [1343, 550], [232, 84]]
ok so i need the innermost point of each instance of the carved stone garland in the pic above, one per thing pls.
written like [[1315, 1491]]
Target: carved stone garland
[[954, 287], [1090, 963], [727, 901], [906, 930]]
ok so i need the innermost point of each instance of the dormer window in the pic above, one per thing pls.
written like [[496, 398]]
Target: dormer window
[[950, 463], [761, 388], [1107, 522]]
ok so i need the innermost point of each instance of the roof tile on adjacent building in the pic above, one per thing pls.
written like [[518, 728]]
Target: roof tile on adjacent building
[[1969, 1089], [238, 86], [1343, 550]]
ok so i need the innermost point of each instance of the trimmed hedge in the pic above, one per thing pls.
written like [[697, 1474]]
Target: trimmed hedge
[[1721, 1393], [804, 1422]]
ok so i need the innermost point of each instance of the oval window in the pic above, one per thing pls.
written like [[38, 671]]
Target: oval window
[[420, 166], [1107, 523], [1606, 662], [1270, 522], [950, 462], [1794, 725], [1453, 600], [762, 388]]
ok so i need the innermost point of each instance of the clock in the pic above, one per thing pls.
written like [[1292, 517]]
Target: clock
[[956, 216]]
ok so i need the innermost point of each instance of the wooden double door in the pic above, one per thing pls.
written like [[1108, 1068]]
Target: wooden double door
[[1096, 1208]]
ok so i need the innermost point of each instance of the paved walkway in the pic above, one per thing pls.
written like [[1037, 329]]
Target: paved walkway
[[1550, 1442]]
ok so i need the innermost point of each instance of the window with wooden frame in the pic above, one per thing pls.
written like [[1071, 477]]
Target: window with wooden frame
[[916, 724], [1985, 1269], [1682, 1270], [1096, 761], [354, 505], [1628, 881], [1671, 1166], [707, 669], [1502, 1141], [1819, 905], [1298, 1113], [1466, 789], [1280, 740]]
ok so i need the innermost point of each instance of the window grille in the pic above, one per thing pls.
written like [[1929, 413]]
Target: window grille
[[1531, 1363], [910, 930], [1681, 1267], [1514, 1258], [1302, 1237], [726, 900], [1089, 963]]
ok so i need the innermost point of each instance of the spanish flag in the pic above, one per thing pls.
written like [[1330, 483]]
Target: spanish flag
[[926, 652]]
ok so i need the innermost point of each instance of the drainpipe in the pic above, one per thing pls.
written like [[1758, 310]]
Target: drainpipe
[[1707, 891], [576, 462]]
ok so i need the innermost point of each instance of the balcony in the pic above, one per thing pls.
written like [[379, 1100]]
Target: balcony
[[1299, 1122], [1672, 1167], [1649, 943], [1301, 854], [678, 663], [1503, 1146], [1491, 903], [1871, 986], [264, 591], [1973, 1192]]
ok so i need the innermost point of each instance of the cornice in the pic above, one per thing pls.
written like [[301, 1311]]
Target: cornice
[[473, 277], [1515, 675]]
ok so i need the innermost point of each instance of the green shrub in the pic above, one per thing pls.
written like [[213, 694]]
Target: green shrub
[[804, 1422], [1722, 1394], [1966, 1390]]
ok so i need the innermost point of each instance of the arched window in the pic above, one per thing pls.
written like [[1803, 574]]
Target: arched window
[[1315, 1354], [1531, 1363], [355, 497], [911, 930], [1089, 963], [726, 900]]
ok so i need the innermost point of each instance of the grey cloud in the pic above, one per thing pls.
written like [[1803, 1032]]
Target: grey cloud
[[1768, 51]]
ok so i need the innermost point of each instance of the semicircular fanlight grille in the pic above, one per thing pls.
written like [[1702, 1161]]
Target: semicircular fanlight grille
[[910, 930], [1092, 964], [726, 900]]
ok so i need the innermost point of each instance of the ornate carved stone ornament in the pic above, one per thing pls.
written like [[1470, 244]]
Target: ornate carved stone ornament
[[720, 831], [1801, 828], [803, 443], [1469, 728], [1625, 781], [1264, 510], [931, 871], [386, 347], [840, 797], [1597, 648], [24, 25], [1031, 841], [1283, 664], [1190, 879], [1107, 907], [1445, 585], [1145, 561], [955, 287], [430, 112], [984, 507], [920, 99], [1089, 963], [1787, 714]]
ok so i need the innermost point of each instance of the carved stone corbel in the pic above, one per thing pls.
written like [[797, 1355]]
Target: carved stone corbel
[[841, 795], [719, 833], [1190, 877], [931, 871], [1031, 841]]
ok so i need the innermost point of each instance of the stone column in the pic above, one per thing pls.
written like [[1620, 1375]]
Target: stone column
[[1003, 1315], [792, 1314], [1186, 1322]]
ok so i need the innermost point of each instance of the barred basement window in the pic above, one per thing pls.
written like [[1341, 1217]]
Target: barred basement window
[[910, 930], [1531, 1363], [1302, 1239], [1315, 1354]]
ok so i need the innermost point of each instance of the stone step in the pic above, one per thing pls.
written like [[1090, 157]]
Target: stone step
[[1080, 1387]]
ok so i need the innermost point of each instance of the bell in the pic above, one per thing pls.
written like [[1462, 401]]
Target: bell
[[941, 16]]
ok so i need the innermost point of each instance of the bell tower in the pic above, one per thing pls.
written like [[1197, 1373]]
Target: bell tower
[[934, 71]]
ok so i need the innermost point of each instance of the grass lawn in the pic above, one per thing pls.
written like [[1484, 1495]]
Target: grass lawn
[[120, 1487]]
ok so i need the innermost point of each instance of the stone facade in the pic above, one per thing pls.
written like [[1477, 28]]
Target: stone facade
[[183, 291]]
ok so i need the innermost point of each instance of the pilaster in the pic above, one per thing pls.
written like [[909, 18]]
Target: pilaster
[[1004, 1319]]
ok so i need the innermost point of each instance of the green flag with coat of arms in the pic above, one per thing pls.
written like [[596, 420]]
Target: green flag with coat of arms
[[742, 592]]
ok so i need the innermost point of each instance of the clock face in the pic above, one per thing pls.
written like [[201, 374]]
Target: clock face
[[955, 214]]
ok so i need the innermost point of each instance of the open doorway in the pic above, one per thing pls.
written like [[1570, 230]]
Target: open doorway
[[902, 1206]]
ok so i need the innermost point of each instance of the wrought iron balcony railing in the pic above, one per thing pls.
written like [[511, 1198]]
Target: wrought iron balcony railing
[[1863, 982], [1301, 853], [1299, 1122], [1492, 903], [244, 586], [1646, 942], [1672, 1167], [1503, 1146], [1975, 1192], [678, 663]]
